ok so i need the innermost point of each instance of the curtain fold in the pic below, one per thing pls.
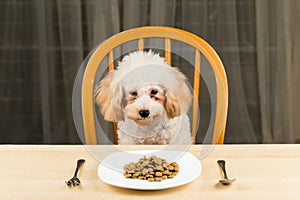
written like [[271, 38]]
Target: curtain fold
[[20, 120], [227, 43], [103, 20], [162, 12], [274, 64], [136, 12], [295, 69], [44, 71], [70, 28]]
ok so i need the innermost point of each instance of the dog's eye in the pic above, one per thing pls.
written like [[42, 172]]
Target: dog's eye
[[154, 92], [133, 93]]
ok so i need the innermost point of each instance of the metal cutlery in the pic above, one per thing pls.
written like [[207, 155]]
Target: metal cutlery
[[74, 181], [225, 180]]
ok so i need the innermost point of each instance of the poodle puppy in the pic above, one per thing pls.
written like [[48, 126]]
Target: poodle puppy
[[148, 99]]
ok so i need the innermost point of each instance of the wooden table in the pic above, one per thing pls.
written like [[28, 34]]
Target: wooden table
[[40, 171]]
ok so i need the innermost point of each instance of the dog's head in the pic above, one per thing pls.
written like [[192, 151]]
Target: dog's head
[[143, 87]]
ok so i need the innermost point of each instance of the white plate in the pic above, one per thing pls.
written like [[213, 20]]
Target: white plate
[[110, 169]]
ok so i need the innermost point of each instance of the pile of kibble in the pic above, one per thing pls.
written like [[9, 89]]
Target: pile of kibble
[[151, 169]]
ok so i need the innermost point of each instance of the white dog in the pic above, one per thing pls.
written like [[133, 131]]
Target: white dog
[[149, 100]]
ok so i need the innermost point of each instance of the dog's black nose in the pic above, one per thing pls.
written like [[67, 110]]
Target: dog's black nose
[[144, 113]]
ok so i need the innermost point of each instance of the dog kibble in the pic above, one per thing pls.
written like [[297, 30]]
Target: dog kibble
[[171, 176], [158, 174], [147, 176], [150, 179], [159, 168], [158, 179], [151, 169], [127, 175], [144, 172]]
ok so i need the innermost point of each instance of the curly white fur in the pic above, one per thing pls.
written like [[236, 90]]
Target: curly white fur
[[149, 100]]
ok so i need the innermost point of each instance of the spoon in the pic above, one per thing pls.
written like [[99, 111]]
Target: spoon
[[226, 180], [74, 180]]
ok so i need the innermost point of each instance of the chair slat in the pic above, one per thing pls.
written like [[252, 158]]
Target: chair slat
[[111, 66], [168, 50], [196, 94], [115, 129], [141, 44]]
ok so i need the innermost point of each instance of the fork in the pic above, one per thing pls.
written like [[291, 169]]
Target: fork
[[74, 180]]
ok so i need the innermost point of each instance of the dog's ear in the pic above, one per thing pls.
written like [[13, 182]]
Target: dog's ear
[[178, 95], [172, 104], [182, 90], [109, 98], [117, 103]]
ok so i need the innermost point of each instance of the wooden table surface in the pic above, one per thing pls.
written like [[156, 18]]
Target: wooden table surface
[[40, 171]]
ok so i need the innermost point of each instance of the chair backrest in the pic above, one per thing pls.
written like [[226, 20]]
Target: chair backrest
[[168, 34]]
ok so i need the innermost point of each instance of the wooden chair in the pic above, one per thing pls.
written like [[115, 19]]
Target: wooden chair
[[168, 34]]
